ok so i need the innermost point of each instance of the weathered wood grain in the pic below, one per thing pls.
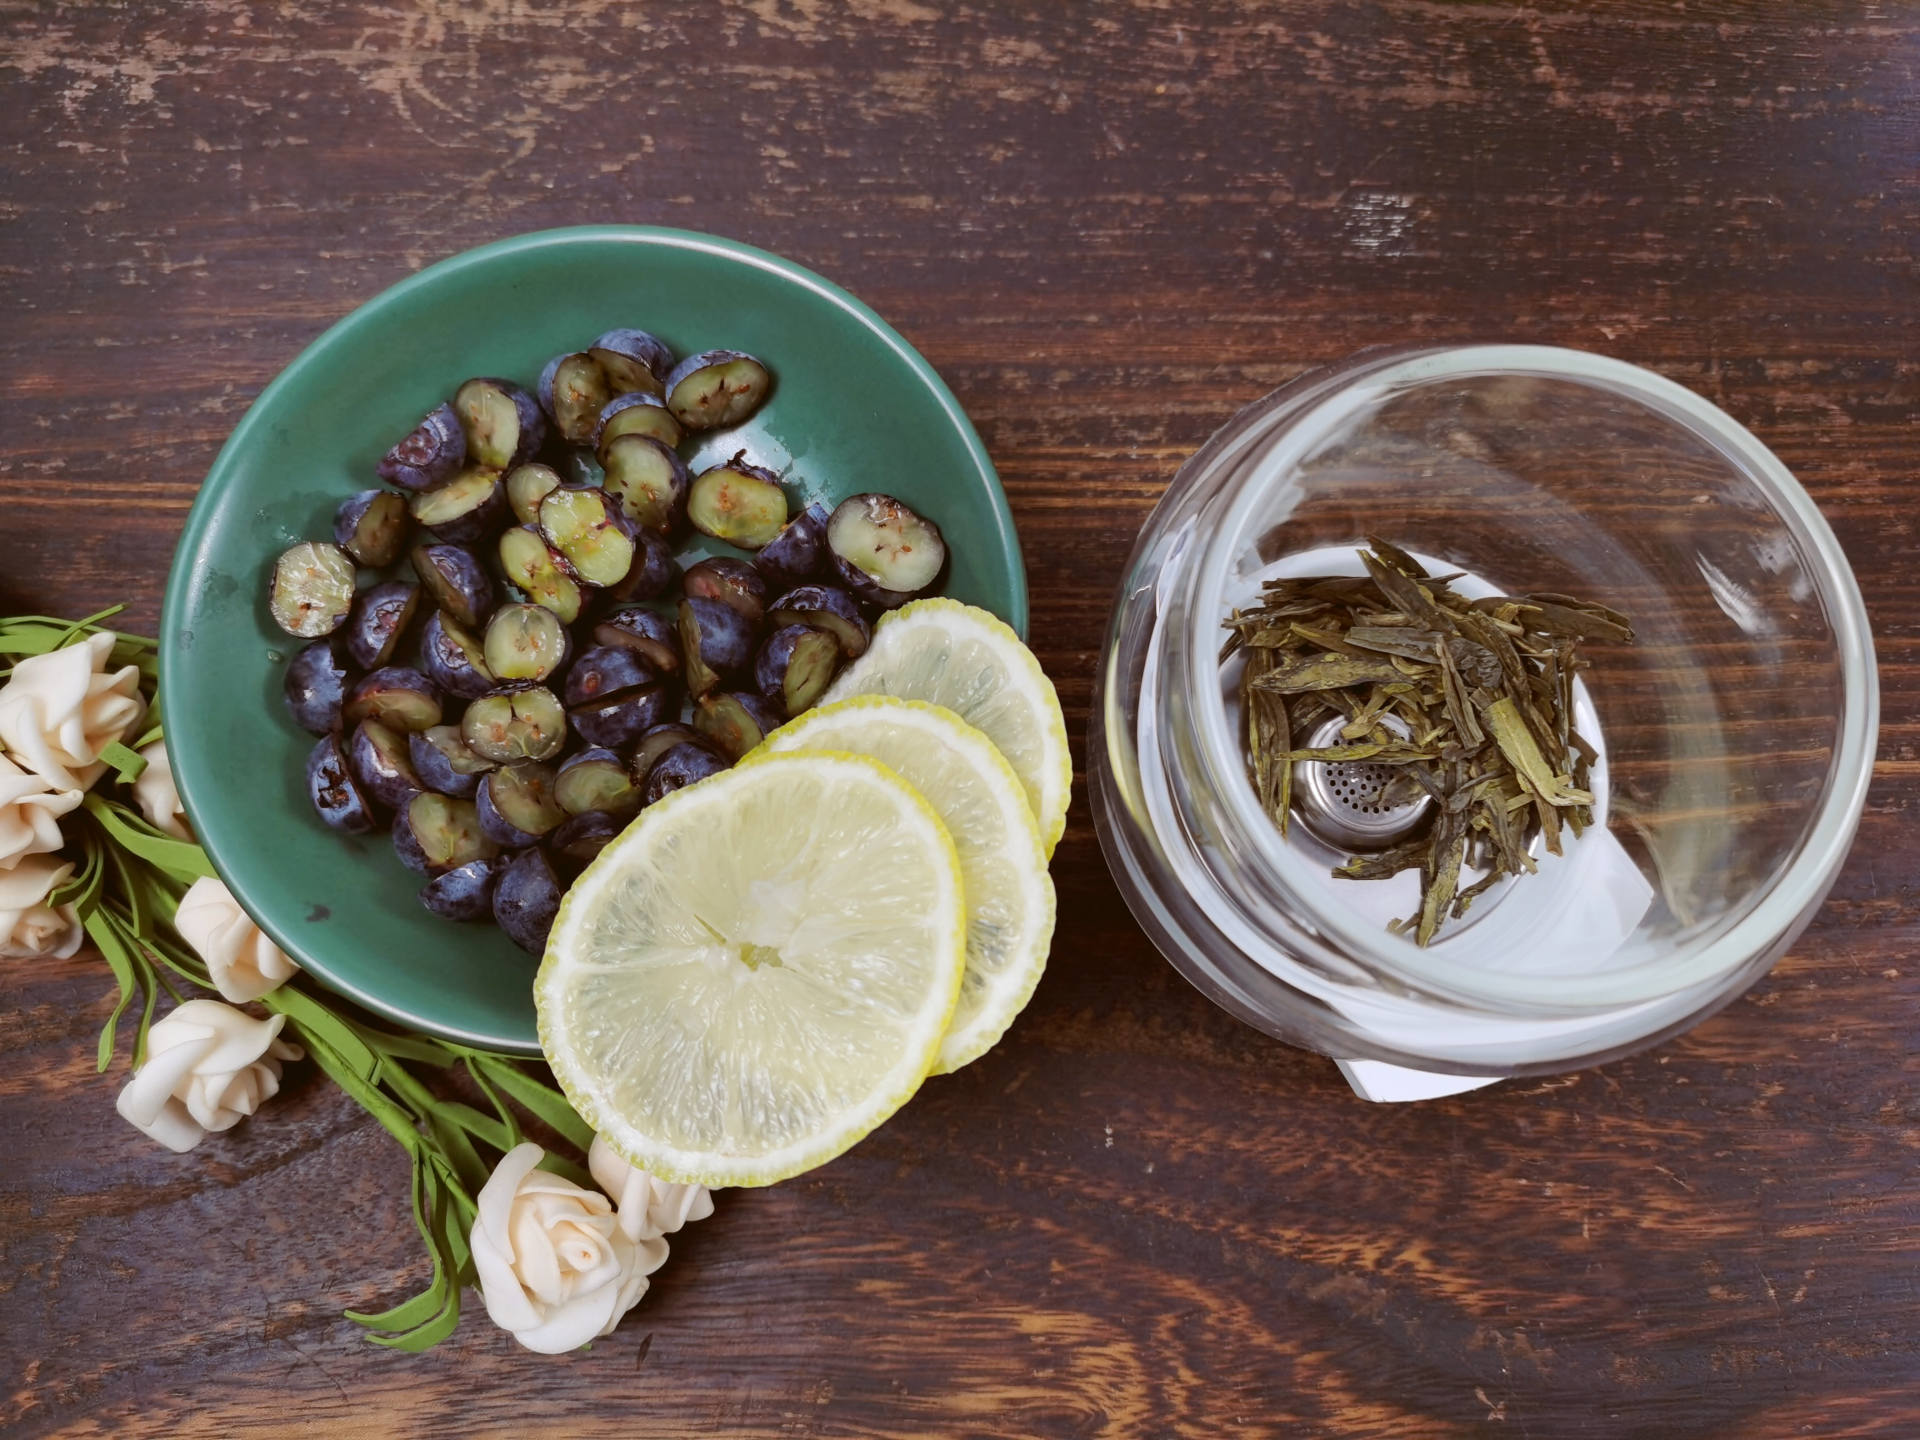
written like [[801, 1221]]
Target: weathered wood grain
[[1108, 226]]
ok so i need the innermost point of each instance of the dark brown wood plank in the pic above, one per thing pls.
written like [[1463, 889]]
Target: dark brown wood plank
[[1108, 226]]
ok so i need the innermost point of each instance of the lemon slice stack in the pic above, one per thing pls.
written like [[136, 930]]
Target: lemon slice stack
[[766, 965]]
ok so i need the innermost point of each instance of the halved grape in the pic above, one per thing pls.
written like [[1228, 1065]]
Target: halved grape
[[576, 844], [311, 592], [634, 361], [732, 582], [828, 608], [454, 658], [395, 695], [649, 480], [381, 614], [797, 553], [527, 486], [734, 721], [654, 571], [516, 805], [430, 455], [443, 762], [739, 503], [457, 582], [502, 422], [382, 763], [596, 780], [716, 641], [636, 414], [646, 631], [883, 551], [606, 671], [509, 726], [574, 389], [435, 833], [540, 572], [656, 742], [679, 767], [795, 665], [715, 388], [589, 530], [334, 791], [526, 642], [468, 508], [373, 527]]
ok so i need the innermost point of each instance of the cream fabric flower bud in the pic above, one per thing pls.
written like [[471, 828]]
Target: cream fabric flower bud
[[158, 798], [59, 711], [30, 928], [30, 810], [661, 1206], [208, 1067], [242, 961], [557, 1266]]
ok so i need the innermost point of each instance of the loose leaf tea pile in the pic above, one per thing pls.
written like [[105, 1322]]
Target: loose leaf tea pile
[[1469, 702]]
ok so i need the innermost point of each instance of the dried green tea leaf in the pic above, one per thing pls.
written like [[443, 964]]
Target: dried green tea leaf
[[1327, 672]]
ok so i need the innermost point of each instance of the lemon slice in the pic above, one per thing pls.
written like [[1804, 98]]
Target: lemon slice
[[1003, 865], [966, 659], [758, 971]]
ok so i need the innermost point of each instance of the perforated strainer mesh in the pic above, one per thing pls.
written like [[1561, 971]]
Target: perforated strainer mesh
[[1341, 801]]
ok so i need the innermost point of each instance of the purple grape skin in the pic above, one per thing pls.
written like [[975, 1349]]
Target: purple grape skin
[[654, 571], [464, 893], [430, 455], [436, 771], [388, 779], [828, 608], [316, 687], [777, 655], [635, 347], [606, 671], [647, 632], [366, 695], [449, 665], [797, 553], [575, 844], [457, 582], [526, 897], [493, 822], [623, 719], [730, 581], [714, 638], [381, 614], [391, 529], [655, 743], [335, 793], [679, 767]]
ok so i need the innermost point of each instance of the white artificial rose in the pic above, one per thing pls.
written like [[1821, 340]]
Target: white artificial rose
[[59, 711], [30, 928], [30, 810], [208, 1067], [557, 1266], [661, 1205], [158, 798], [242, 961]]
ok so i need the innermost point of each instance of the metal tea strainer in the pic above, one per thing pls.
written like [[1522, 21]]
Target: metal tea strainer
[[1347, 803]]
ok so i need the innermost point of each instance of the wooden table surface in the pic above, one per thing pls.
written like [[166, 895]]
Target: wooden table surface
[[1108, 226]]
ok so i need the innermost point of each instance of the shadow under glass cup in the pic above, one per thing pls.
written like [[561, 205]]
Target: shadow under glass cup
[[1736, 732]]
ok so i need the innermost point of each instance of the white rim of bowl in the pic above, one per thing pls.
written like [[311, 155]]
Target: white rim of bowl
[[1822, 849]]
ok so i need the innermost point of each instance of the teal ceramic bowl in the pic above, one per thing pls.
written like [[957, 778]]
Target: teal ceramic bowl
[[853, 408]]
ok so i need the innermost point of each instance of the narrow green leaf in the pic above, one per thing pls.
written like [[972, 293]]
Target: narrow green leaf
[[542, 1100], [125, 763]]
